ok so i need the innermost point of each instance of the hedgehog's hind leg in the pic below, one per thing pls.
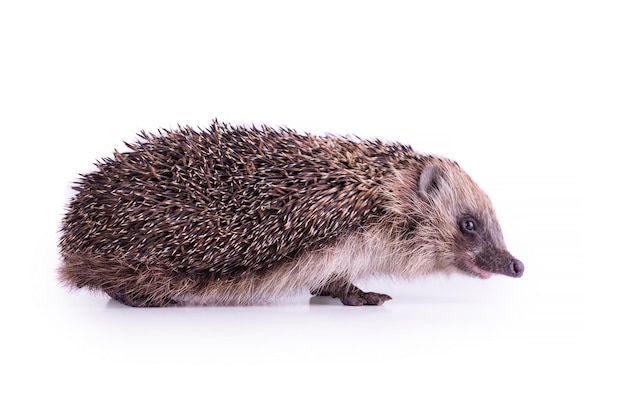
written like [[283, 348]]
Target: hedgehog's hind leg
[[145, 287], [139, 300], [132, 286], [350, 295]]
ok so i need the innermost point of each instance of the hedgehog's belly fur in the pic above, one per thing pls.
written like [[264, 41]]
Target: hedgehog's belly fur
[[356, 255]]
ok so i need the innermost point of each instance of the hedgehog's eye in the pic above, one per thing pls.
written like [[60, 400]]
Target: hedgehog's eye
[[468, 225]]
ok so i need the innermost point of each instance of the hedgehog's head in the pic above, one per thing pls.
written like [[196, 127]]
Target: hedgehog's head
[[458, 223]]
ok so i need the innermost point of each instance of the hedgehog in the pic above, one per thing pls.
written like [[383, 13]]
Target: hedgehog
[[239, 215]]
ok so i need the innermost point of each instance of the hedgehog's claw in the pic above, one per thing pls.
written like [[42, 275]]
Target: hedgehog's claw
[[351, 295], [371, 298]]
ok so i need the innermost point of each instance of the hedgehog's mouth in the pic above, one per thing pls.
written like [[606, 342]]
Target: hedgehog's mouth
[[473, 270]]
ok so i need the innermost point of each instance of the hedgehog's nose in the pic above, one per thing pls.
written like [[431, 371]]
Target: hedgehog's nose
[[516, 268]]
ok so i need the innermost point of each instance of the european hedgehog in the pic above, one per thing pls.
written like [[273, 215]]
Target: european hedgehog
[[244, 215]]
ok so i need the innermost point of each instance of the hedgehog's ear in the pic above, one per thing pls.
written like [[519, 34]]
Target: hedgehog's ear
[[430, 180]]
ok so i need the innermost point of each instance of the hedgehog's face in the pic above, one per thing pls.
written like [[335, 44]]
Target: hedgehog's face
[[462, 214]]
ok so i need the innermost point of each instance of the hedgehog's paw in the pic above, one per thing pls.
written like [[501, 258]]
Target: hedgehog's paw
[[140, 301], [364, 298], [351, 295]]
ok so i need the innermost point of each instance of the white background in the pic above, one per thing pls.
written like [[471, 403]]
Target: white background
[[529, 97]]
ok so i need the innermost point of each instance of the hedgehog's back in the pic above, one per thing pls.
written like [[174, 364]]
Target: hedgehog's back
[[218, 203]]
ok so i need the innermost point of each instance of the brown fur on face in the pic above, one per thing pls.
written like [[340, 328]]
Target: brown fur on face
[[236, 215], [442, 202]]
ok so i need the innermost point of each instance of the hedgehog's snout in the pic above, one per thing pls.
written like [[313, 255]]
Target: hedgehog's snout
[[516, 268]]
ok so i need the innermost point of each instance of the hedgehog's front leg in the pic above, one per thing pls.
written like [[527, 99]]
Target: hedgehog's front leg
[[350, 295]]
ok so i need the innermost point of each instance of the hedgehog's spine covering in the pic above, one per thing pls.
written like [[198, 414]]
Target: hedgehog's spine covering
[[214, 212]]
